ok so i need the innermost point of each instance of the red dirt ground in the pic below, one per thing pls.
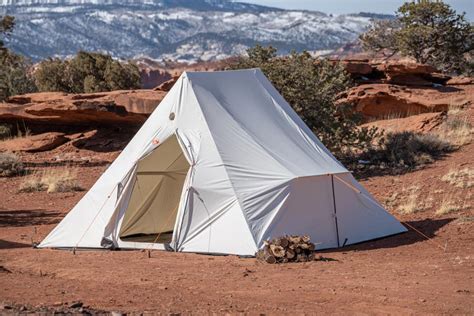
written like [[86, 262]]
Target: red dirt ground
[[403, 274]]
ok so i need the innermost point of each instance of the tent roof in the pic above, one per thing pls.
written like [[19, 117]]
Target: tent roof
[[254, 128]]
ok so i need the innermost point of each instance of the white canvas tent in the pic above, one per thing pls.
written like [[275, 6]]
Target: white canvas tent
[[221, 165]]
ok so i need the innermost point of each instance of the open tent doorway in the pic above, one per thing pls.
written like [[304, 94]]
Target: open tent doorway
[[153, 206]]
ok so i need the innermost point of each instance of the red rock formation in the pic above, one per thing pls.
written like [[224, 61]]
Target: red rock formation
[[167, 85], [421, 123], [151, 78], [460, 81], [385, 101], [34, 143], [105, 108]]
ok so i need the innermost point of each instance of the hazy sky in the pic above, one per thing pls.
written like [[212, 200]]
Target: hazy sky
[[354, 6]]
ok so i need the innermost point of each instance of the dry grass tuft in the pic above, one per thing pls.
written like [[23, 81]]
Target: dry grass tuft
[[448, 205], [52, 181], [10, 165], [410, 204], [32, 184], [456, 131], [463, 178]]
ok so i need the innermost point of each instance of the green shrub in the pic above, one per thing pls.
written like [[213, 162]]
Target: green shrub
[[86, 72], [10, 165], [311, 87]]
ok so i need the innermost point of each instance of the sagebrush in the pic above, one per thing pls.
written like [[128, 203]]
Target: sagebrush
[[10, 165], [407, 149]]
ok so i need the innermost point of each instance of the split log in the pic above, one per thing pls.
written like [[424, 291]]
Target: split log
[[269, 259], [278, 251], [290, 253]]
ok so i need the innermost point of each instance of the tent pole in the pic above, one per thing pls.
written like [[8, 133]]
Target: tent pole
[[335, 211]]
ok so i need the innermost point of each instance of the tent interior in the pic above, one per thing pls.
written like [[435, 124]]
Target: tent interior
[[153, 205]]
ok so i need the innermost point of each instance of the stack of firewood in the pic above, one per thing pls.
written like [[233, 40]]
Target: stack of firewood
[[287, 249]]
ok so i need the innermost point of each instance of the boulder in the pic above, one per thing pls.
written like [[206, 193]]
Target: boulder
[[405, 67], [128, 107], [460, 81], [167, 85], [357, 67], [421, 123], [407, 79], [34, 143], [407, 73]]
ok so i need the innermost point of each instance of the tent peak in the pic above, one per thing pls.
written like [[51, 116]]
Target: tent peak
[[217, 72]]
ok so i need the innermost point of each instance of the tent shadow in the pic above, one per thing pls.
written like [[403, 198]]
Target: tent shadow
[[5, 244], [21, 218], [428, 227]]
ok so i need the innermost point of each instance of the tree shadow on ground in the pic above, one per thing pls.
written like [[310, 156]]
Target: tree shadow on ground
[[6, 244], [428, 227], [366, 173], [20, 218]]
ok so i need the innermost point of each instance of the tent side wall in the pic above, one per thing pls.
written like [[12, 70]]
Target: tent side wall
[[359, 216], [308, 210], [84, 225]]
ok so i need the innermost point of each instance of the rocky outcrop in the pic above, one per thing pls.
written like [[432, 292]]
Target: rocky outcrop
[[151, 78], [403, 72], [421, 123], [386, 101], [398, 88], [459, 81], [107, 108], [34, 143]]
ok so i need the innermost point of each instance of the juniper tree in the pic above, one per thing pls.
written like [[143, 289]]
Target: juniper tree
[[429, 31]]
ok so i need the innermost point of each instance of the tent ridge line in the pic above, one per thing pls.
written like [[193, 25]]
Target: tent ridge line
[[256, 142]]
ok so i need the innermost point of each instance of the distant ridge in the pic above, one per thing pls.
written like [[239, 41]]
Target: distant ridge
[[181, 30]]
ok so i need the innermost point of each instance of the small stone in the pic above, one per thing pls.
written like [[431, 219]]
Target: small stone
[[76, 304], [5, 306]]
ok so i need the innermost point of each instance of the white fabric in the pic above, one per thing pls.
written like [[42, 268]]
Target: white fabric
[[257, 171]]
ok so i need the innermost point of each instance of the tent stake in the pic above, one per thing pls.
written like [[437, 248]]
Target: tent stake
[[335, 211]]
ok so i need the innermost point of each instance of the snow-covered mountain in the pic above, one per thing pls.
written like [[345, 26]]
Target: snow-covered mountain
[[170, 29]]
